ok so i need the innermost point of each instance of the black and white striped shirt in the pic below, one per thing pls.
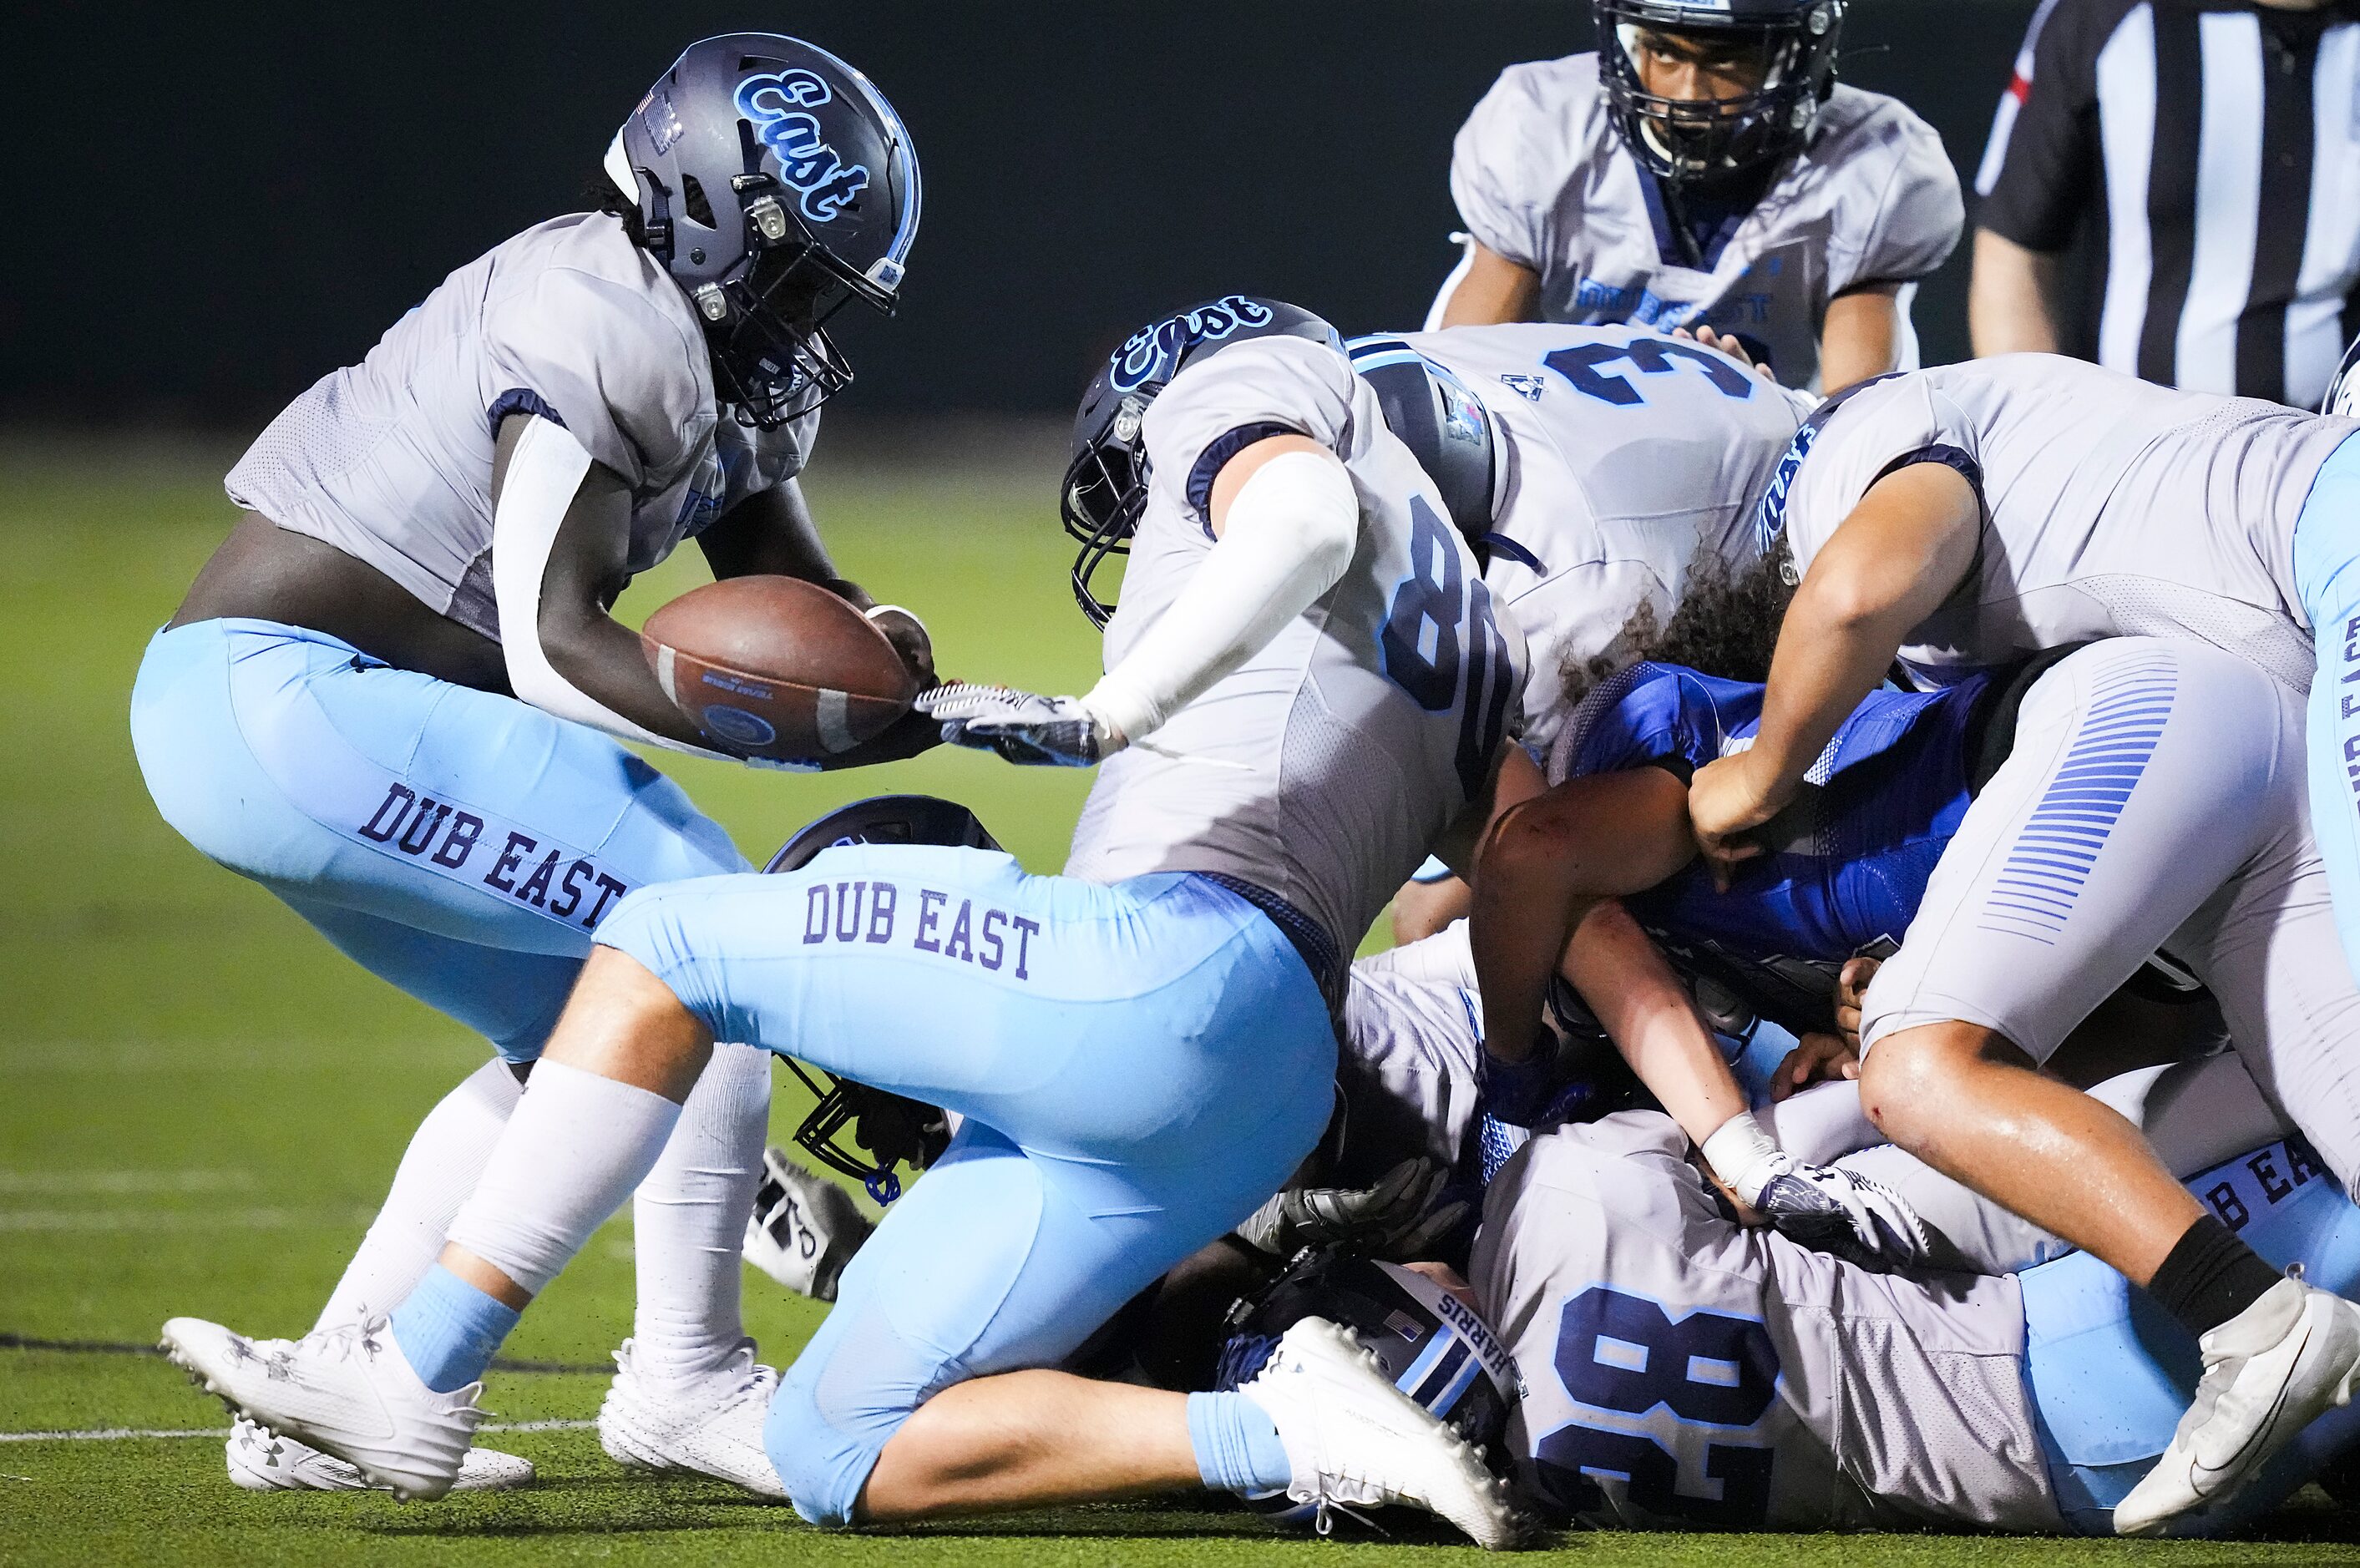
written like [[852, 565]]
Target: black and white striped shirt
[[2216, 144]]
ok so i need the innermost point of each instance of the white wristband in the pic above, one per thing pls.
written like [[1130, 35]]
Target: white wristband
[[1741, 1155]]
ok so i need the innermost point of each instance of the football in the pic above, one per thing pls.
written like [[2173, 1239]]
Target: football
[[774, 667]]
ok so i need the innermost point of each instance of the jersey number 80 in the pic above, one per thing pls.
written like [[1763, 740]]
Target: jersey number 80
[[1441, 626]]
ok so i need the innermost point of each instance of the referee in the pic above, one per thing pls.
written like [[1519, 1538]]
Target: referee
[[2214, 147]]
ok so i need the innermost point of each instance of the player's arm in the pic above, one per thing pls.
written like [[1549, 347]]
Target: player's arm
[[1545, 864], [1285, 521], [561, 541], [1860, 337], [771, 533], [1887, 566], [1486, 290], [2010, 302]]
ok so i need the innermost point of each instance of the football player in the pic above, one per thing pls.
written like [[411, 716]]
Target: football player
[[395, 697], [1853, 872], [1606, 472], [1702, 169], [1308, 690], [1963, 517], [1682, 1371]]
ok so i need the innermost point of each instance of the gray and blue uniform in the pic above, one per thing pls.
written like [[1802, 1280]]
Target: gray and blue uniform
[[459, 844], [2112, 508], [1681, 1371], [1143, 1048], [1542, 179]]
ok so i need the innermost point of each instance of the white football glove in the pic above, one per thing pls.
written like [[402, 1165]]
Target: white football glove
[[1394, 1221], [804, 1227], [1023, 727], [1832, 1210]]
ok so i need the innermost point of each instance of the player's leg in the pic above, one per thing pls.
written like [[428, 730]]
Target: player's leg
[[2111, 1374], [463, 846], [2327, 576], [2124, 808], [2115, 816]]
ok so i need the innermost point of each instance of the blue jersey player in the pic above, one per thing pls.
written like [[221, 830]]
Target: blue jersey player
[[1141, 1050]]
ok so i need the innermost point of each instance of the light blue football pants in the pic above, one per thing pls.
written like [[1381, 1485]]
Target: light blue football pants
[[459, 845], [2327, 575], [1139, 1066], [2111, 1372]]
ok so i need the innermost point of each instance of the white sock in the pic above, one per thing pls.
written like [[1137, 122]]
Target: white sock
[[445, 1157], [689, 1221], [1742, 1154], [572, 1151]]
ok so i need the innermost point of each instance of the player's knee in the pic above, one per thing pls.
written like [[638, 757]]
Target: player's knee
[[658, 930], [822, 1467], [1905, 1075]]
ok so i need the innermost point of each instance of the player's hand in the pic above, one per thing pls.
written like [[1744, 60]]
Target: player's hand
[[1725, 803], [905, 737], [804, 1229], [1816, 1058], [910, 640], [1851, 986], [1022, 726], [1728, 343], [1393, 1220], [1839, 1212]]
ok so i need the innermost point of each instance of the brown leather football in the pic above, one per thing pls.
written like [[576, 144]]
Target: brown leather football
[[774, 667]]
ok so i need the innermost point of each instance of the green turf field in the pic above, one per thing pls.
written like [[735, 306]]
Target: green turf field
[[200, 1102]]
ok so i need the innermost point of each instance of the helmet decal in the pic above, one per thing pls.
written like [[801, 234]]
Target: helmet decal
[[1154, 353], [777, 104]]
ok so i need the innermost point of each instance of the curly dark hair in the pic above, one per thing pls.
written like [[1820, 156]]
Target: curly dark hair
[[1725, 625], [599, 195]]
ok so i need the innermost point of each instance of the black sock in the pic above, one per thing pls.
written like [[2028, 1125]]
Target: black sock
[[2210, 1278]]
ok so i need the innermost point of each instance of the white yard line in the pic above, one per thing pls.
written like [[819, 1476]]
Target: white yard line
[[134, 1434]]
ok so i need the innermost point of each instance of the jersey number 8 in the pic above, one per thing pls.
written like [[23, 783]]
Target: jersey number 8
[[1442, 606], [1624, 1352]]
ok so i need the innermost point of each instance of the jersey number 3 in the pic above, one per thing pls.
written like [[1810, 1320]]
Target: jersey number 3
[[1715, 1374], [1439, 629], [1653, 357]]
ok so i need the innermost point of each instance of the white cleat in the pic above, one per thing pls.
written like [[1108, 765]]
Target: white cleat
[[348, 1391], [712, 1427], [261, 1461], [2268, 1372], [1355, 1441]]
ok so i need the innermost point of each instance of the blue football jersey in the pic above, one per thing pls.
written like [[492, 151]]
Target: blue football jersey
[[1847, 862]]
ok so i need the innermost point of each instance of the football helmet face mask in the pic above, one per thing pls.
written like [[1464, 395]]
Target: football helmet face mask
[[1790, 46], [1431, 1344], [863, 1132], [775, 185], [1105, 488], [2343, 399]]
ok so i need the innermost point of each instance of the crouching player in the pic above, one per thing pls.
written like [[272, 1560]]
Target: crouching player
[[1142, 1052], [1682, 1371], [382, 698]]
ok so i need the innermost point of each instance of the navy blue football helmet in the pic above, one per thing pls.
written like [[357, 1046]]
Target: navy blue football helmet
[[1429, 1342], [775, 185], [860, 1131], [1689, 139], [1105, 487], [1444, 426]]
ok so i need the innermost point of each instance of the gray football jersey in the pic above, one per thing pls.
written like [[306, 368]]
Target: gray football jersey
[[1682, 1371], [1634, 460], [1326, 767], [1543, 179], [2112, 506], [1413, 1034], [391, 460]]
